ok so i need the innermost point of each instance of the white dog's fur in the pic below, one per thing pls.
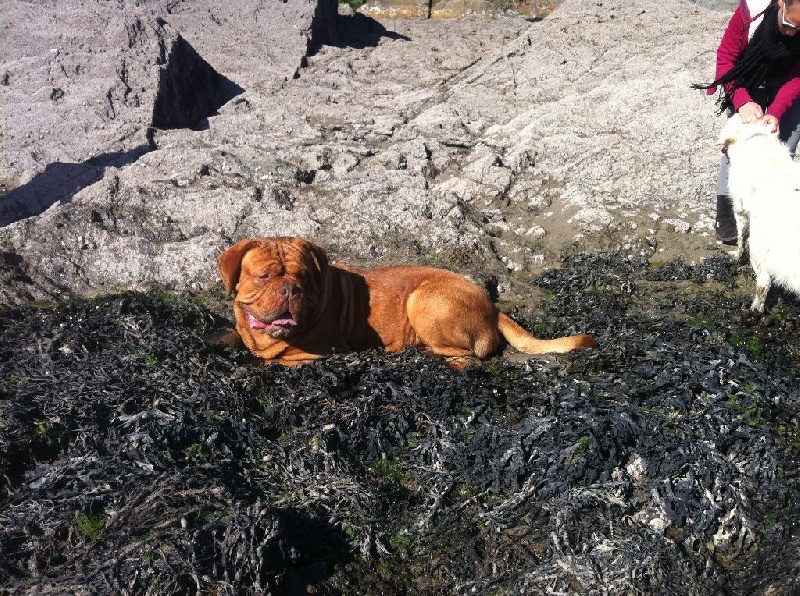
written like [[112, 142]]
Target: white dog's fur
[[764, 186]]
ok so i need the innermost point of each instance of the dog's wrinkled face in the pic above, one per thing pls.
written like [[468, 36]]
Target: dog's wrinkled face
[[735, 131], [279, 285]]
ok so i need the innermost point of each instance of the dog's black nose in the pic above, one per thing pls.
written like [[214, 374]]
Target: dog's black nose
[[289, 290]]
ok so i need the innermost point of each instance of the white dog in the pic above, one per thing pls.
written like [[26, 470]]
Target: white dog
[[764, 185]]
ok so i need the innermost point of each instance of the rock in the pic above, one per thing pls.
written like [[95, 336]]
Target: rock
[[444, 9], [103, 100], [438, 141], [114, 81]]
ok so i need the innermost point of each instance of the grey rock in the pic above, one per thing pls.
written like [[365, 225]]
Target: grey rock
[[99, 112], [443, 9], [494, 145]]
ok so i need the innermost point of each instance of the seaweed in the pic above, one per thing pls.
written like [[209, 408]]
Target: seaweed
[[137, 457]]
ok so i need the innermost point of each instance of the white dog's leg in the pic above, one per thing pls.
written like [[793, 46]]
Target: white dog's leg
[[763, 283], [742, 234]]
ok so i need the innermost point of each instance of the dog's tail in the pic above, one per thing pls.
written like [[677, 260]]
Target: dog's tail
[[525, 342]]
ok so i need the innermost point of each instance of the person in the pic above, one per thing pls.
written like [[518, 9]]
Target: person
[[758, 76]]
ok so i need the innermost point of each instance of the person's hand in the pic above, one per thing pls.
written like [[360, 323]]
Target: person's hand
[[750, 112], [770, 122]]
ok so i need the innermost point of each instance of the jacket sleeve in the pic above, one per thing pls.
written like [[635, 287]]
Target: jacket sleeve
[[786, 95], [730, 50]]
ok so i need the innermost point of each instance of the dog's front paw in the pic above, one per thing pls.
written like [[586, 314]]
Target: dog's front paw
[[758, 305], [737, 255]]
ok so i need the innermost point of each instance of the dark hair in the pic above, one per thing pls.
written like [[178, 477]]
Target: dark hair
[[768, 53]]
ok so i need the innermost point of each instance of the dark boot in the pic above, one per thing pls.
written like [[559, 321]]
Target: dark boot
[[726, 223]]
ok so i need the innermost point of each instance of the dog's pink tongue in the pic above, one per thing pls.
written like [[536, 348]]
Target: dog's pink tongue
[[254, 323], [283, 323]]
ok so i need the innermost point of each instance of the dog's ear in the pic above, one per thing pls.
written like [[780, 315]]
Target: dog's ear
[[725, 141], [230, 262], [730, 132], [317, 254], [315, 261]]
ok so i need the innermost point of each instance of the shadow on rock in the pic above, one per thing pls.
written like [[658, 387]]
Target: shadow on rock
[[190, 90], [60, 182], [360, 31]]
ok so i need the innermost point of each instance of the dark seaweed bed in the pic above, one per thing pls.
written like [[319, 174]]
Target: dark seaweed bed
[[137, 458]]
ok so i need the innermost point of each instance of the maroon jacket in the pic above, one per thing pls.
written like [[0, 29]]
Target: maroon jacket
[[731, 49]]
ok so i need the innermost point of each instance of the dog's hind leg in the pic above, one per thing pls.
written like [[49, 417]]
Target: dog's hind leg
[[455, 321], [763, 283]]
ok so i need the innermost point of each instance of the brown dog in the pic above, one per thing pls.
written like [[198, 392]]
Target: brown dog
[[292, 306]]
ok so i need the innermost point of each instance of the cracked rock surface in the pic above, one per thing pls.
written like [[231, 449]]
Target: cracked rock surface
[[500, 145]]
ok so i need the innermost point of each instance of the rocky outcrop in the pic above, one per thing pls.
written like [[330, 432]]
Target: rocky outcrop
[[71, 95], [83, 103], [100, 111], [492, 145]]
